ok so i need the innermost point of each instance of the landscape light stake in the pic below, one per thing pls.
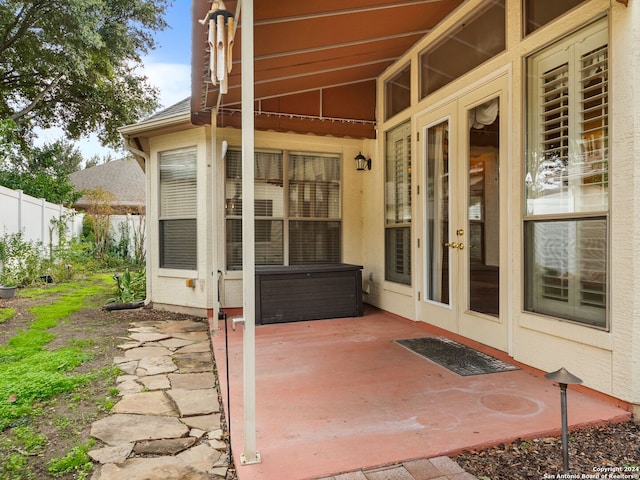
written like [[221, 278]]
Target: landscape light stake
[[564, 378]]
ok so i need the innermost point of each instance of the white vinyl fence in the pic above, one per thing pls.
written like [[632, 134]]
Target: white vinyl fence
[[35, 217]]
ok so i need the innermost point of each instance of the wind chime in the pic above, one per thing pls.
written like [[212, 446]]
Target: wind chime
[[221, 30]]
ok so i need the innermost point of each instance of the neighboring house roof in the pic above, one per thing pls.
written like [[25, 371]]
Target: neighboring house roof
[[183, 107], [123, 179]]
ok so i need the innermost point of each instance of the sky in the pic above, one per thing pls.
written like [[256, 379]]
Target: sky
[[168, 68]]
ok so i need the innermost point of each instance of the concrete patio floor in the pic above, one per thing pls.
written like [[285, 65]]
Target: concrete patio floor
[[340, 395]]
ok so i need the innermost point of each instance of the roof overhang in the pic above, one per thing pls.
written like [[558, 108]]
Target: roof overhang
[[316, 63], [172, 119]]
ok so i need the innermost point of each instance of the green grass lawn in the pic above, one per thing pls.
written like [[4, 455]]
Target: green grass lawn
[[39, 373], [29, 372]]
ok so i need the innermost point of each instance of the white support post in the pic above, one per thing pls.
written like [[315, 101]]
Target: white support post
[[212, 199], [250, 454]]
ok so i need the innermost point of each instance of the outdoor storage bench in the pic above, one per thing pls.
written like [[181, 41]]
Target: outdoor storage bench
[[308, 292]]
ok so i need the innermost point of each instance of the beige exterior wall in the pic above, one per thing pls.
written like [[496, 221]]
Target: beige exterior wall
[[352, 198], [603, 359], [167, 288]]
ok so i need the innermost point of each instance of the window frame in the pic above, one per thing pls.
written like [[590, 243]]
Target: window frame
[[401, 225], [178, 213], [285, 215], [451, 42], [575, 187]]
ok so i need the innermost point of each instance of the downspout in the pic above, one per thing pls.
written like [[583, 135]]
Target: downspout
[[135, 150], [145, 156]]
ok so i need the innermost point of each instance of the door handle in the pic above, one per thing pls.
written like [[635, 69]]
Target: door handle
[[461, 246], [451, 245]]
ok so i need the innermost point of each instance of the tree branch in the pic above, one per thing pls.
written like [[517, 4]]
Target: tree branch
[[18, 115]]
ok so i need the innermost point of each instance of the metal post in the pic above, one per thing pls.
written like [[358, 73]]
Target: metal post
[[250, 454], [565, 428], [564, 378]]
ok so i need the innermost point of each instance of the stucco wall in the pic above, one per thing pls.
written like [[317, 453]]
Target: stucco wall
[[167, 288], [352, 203], [603, 359]]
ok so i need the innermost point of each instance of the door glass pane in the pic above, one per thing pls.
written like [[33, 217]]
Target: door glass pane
[[437, 213], [483, 228]]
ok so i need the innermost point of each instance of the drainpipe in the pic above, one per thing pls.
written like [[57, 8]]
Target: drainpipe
[[250, 454], [140, 153], [134, 150]]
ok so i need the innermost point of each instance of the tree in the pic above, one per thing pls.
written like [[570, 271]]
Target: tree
[[74, 64], [42, 172]]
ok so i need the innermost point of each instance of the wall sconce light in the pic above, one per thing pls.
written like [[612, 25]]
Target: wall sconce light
[[362, 163]]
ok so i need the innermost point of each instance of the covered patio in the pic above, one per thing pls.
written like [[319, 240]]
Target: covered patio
[[341, 395]]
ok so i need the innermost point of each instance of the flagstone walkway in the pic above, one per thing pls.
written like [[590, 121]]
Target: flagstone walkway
[[167, 424]]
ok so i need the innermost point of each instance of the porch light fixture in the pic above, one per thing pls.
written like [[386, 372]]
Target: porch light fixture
[[564, 378], [220, 40], [362, 163]]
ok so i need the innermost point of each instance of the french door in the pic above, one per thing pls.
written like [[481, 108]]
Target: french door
[[462, 212]]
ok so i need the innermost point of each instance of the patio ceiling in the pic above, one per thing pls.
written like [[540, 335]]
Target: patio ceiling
[[316, 62]]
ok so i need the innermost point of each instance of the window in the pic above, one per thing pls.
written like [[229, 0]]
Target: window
[[567, 191], [398, 205], [297, 208], [397, 91], [538, 13], [178, 208], [474, 41]]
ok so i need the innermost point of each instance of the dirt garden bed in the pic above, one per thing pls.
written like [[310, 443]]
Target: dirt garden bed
[[598, 452], [62, 423]]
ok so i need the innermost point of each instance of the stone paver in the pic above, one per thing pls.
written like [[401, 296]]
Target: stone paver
[[388, 473], [155, 366], [192, 381], [120, 428], [423, 469], [168, 446], [155, 382], [146, 403], [143, 352], [159, 385], [203, 422], [195, 402], [174, 343], [165, 468], [168, 423], [198, 347], [149, 337], [128, 387], [115, 454], [194, 362]]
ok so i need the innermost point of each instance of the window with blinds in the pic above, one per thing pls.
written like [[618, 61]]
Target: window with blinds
[[567, 191], [398, 205], [297, 208], [178, 209]]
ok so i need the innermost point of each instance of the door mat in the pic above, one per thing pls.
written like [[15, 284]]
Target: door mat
[[458, 358]]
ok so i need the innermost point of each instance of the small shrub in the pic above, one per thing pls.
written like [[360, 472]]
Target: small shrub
[[130, 287], [6, 314], [76, 461]]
